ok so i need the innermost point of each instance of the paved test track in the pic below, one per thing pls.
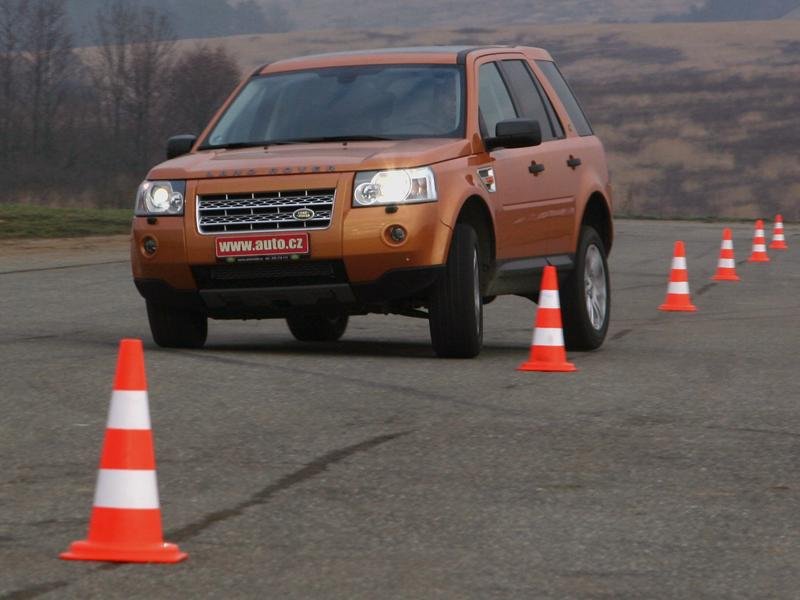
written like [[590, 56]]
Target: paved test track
[[665, 468]]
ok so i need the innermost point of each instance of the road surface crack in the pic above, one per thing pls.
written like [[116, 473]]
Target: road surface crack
[[36, 590], [753, 430], [311, 470], [62, 267]]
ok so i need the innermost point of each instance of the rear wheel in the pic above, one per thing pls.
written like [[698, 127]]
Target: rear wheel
[[586, 295], [456, 304], [317, 328], [176, 328]]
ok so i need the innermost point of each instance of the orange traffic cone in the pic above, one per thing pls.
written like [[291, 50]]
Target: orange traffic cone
[[726, 267], [125, 525], [547, 349], [778, 239], [678, 298], [759, 244]]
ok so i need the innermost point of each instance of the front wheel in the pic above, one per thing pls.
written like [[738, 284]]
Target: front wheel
[[176, 328], [586, 295], [456, 304], [317, 328]]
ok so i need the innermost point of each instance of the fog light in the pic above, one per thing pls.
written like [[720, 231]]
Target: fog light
[[397, 233], [150, 246]]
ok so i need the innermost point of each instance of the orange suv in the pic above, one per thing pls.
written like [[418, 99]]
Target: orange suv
[[416, 181]]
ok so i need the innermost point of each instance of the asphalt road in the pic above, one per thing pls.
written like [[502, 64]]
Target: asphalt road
[[666, 467]]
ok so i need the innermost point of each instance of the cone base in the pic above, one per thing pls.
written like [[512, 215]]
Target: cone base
[[726, 277], [124, 553], [547, 367], [758, 259], [682, 308], [779, 246]]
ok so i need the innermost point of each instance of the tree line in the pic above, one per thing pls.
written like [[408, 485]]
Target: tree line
[[82, 127]]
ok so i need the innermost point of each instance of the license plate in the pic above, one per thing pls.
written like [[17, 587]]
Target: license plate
[[280, 244]]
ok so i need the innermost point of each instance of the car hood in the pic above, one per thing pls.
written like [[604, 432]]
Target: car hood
[[311, 158]]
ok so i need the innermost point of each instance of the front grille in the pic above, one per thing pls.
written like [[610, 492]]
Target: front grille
[[263, 211], [282, 273]]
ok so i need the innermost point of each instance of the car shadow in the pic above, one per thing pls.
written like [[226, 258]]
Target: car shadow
[[359, 348]]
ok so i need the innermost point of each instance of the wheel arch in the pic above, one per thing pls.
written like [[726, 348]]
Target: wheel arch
[[597, 214], [475, 212]]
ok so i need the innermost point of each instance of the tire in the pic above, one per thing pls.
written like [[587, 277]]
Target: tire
[[456, 306], [176, 328], [317, 328], [586, 295]]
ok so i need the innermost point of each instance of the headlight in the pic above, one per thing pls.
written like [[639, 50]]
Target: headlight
[[407, 186], [160, 198]]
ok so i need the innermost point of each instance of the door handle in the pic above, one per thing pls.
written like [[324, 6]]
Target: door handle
[[573, 162], [536, 168]]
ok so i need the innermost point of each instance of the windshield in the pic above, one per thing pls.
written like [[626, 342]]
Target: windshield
[[345, 103]]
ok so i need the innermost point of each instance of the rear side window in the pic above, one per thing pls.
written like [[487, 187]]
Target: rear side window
[[494, 101], [564, 92], [531, 98]]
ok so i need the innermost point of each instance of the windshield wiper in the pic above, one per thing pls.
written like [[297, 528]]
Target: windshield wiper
[[290, 141], [331, 138], [233, 145]]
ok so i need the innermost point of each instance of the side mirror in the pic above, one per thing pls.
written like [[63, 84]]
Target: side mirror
[[178, 145], [515, 133]]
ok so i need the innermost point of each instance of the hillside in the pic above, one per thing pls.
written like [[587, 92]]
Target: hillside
[[713, 11], [427, 14], [226, 17], [699, 119], [217, 17]]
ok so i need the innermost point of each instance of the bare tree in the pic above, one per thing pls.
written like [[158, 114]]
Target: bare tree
[[130, 72], [46, 72], [12, 20], [201, 80], [114, 31], [151, 56]]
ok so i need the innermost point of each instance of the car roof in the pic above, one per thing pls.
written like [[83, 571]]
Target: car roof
[[414, 54]]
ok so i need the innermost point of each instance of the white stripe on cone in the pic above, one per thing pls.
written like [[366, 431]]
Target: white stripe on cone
[[549, 299], [678, 287], [727, 244], [759, 248], [548, 336], [129, 410], [759, 233], [778, 237], [727, 263], [679, 263], [126, 488]]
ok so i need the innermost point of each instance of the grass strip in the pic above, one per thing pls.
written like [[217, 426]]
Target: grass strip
[[29, 221]]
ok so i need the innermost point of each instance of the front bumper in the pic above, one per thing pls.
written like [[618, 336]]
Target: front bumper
[[393, 290], [357, 236]]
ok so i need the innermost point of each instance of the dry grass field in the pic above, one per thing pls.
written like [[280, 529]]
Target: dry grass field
[[699, 119]]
